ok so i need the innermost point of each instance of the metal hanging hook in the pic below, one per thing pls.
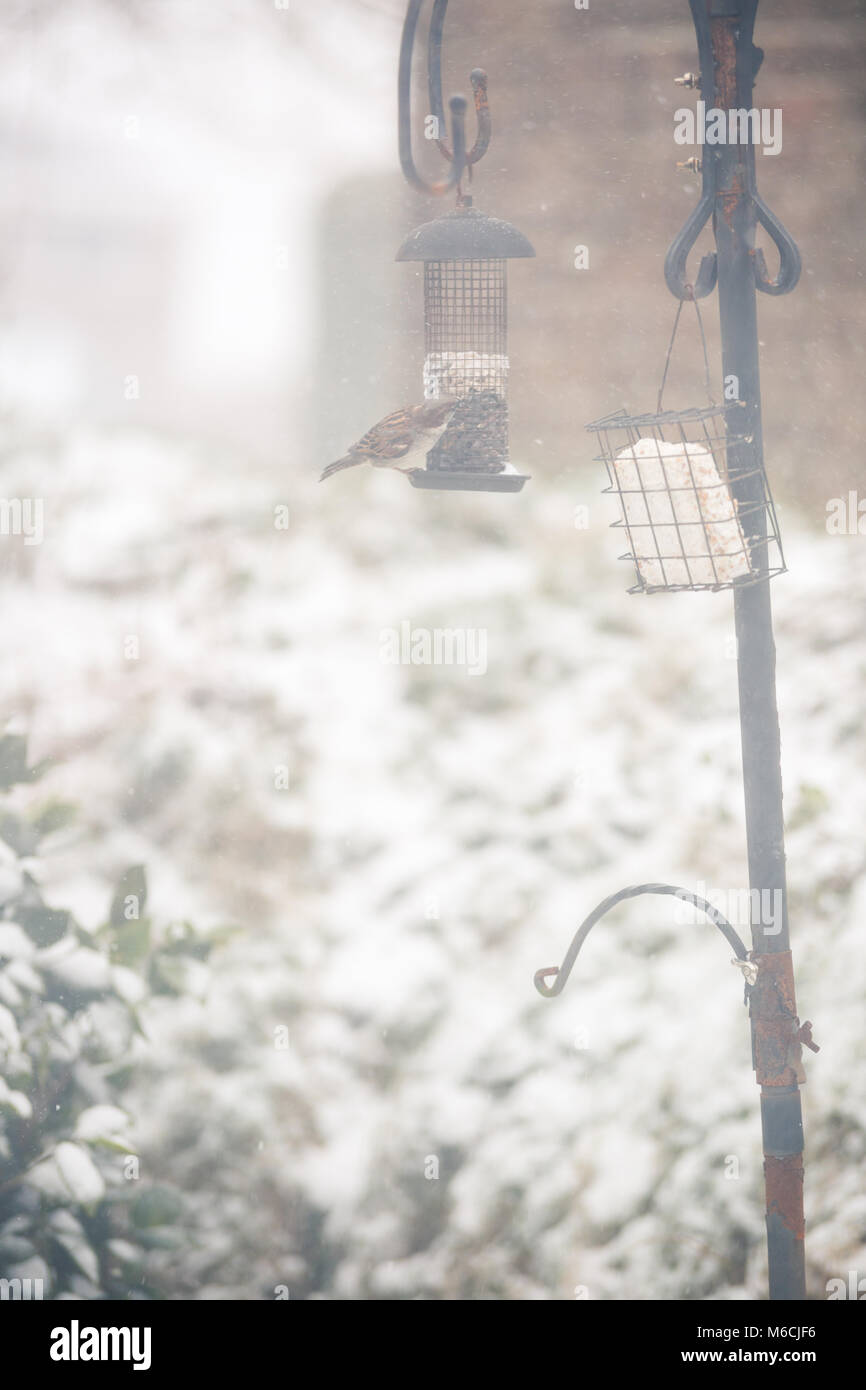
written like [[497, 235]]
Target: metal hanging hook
[[678, 254], [456, 153], [789, 255], [477, 77], [563, 971]]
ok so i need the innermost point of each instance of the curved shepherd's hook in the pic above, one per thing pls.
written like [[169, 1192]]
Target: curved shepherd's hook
[[563, 971], [457, 104], [477, 77]]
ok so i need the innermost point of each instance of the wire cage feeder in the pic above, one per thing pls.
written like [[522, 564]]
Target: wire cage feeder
[[465, 255], [696, 516]]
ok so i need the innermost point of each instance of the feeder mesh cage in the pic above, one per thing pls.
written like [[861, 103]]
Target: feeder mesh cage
[[465, 327], [697, 513]]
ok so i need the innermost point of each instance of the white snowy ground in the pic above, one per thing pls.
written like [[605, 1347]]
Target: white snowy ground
[[441, 837]]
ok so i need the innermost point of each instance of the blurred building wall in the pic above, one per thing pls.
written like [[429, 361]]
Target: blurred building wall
[[200, 208], [583, 153]]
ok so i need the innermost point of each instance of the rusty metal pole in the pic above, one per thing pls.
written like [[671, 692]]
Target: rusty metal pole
[[730, 63]]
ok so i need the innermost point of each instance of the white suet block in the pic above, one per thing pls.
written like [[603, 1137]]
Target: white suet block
[[680, 514]]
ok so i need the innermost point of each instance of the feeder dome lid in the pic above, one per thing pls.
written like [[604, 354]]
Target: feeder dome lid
[[464, 235]]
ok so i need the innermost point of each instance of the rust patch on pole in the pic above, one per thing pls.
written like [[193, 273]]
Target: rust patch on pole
[[784, 1180], [725, 77], [776, 1033], [725, 55], [728, 199]]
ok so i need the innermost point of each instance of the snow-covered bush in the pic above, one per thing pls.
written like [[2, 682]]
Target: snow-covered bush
[[74, 1212]]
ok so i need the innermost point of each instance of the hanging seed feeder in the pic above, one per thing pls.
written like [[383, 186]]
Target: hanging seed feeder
[[465, 345], [465, 255]]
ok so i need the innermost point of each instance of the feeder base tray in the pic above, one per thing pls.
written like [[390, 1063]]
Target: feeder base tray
[[461, 481]]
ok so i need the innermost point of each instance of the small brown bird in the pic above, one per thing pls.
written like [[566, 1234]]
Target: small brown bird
[[402, 440]]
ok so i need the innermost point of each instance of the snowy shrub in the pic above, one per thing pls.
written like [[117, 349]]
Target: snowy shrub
[[74, 1212]]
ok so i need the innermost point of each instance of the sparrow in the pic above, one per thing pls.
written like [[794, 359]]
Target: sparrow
[[402, 440]]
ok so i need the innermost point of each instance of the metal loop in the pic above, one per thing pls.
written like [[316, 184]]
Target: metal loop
[[678, 254], [563, 971], [789, 255], [457, 105]]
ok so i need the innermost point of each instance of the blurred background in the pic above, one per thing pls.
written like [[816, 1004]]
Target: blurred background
[[199, 307]]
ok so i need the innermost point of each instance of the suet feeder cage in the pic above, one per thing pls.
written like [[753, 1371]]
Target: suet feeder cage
[[465, 256], [697, 513]]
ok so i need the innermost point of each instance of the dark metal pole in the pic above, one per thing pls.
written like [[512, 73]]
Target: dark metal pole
[[730, 198], [729, 63], [727, 86]]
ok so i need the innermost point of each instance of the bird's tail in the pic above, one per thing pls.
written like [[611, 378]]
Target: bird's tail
[[347, 461]]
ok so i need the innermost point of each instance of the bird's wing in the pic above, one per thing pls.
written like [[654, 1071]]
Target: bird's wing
[[395, 447], [390, 438]]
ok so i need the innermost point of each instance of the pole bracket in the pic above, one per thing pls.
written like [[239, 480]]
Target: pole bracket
[[729, 63]]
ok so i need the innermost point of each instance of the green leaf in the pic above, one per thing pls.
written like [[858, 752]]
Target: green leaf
[[44, 925], [69, 1234], [130, 897], [225, 932], [15, 1247], [162, 1238], [181, 939], [178, 975], [52, 816], [130, 942], [122, 1075], [156, 1206]]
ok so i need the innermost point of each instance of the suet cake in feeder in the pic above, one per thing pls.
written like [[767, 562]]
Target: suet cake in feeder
[[680, 515], [673, 473]]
